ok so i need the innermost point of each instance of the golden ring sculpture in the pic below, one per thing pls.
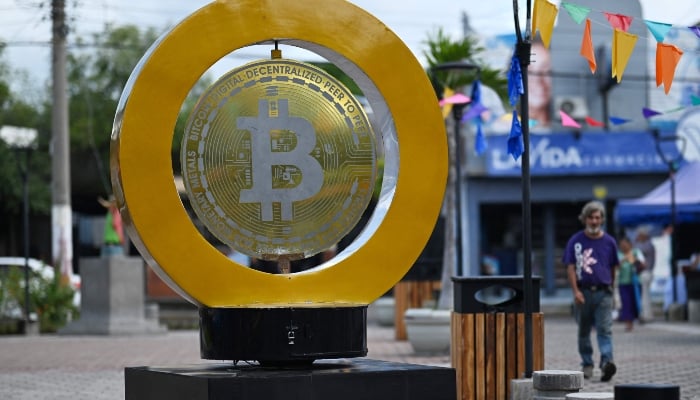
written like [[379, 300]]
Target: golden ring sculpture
[[383, 67]]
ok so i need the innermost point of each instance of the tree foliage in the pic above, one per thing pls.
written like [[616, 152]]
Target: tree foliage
[[97, 72], [443, 49], [15, 111]]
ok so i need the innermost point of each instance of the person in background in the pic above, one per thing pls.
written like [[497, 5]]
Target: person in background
[[631, 263], [662, 262], [591, 260], [113, 243], [644, 244]]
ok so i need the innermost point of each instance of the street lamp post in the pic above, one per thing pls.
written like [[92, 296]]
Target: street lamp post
[[457, 112], [672, 158], [23, 140]]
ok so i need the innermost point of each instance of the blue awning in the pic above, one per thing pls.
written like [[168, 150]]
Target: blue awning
[[655, 206]]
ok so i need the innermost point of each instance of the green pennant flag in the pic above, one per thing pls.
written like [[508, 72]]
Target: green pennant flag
[[576, 12], [694, 100]]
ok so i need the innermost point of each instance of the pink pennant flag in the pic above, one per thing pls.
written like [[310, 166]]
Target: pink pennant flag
[[566, 120], [458, 98], [619, 21]]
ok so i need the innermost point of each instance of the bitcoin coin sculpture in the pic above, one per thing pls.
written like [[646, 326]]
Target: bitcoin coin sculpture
[[279, 161]]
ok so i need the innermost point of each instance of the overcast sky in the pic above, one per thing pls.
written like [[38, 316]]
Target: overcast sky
[[26, 27]]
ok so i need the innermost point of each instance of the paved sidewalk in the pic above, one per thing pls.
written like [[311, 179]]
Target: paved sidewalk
[[92, 367]]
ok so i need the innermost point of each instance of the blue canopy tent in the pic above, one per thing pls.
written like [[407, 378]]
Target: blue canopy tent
[[655, 206]]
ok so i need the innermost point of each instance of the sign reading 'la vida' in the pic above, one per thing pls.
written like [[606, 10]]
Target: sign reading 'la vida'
[[590, 153]]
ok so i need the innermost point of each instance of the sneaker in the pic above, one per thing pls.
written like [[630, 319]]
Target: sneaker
[[587, 371], [609, 370]]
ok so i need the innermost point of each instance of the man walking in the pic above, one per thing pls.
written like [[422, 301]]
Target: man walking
[[591, 259], [643, 243]]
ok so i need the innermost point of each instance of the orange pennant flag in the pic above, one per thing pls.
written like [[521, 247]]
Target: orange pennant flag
[[622, 47], [587, 47], [667, 57], [543, 18]]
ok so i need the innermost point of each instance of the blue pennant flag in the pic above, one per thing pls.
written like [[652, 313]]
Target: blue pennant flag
[[480, 142], [515, 81], [618, 120], [475, 111], [515, 140], [476, 91]]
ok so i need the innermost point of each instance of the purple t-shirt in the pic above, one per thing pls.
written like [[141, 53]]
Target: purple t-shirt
[[594, 259]]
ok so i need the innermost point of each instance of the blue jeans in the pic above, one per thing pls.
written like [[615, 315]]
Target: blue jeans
[[596, 311]]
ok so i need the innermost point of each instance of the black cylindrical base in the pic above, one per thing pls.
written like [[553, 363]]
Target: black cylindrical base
[[647, 391], [282, 336]]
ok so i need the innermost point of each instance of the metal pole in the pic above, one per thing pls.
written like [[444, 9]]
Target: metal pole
[[672, 159], [457, 115], [523, 48], [25, 219], [674, 261], [524, 55]]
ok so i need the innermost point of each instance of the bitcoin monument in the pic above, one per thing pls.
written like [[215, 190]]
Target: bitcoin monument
[[279, 162]]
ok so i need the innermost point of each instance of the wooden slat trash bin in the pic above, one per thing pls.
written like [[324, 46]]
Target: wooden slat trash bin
[[488, 335]]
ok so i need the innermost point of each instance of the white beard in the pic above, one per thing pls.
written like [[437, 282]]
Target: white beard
[[594, 230]]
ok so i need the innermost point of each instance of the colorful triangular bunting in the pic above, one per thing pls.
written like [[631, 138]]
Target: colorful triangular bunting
[[566, 120], [593, 122], [694, 100], [515, 139], [480, 145], [587, 47], [446, 107], [576, 12], [618, 120], [623, 45], [695, 30], [648, 112], [475, 110], [457, 98], [667, 57], [515, 81], [619, 21], [543, 18], [658, 29]]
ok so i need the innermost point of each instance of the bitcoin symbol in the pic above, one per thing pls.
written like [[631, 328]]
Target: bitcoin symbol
[[279, 159], [270, 151]]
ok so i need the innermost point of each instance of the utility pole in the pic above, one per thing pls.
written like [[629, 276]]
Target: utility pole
[[61, 212]]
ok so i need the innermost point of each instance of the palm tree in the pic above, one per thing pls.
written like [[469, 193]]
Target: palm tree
[[442, 49]]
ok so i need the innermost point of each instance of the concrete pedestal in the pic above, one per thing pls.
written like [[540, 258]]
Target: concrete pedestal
[[694, 311], [676, 312], [341, 379], [112, 298]]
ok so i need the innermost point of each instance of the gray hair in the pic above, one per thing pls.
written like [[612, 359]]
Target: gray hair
[[590, 208]]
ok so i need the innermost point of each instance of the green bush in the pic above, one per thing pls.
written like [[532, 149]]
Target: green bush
[[50, 298]]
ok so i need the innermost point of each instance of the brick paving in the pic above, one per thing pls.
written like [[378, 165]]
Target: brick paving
[[91, 367]]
